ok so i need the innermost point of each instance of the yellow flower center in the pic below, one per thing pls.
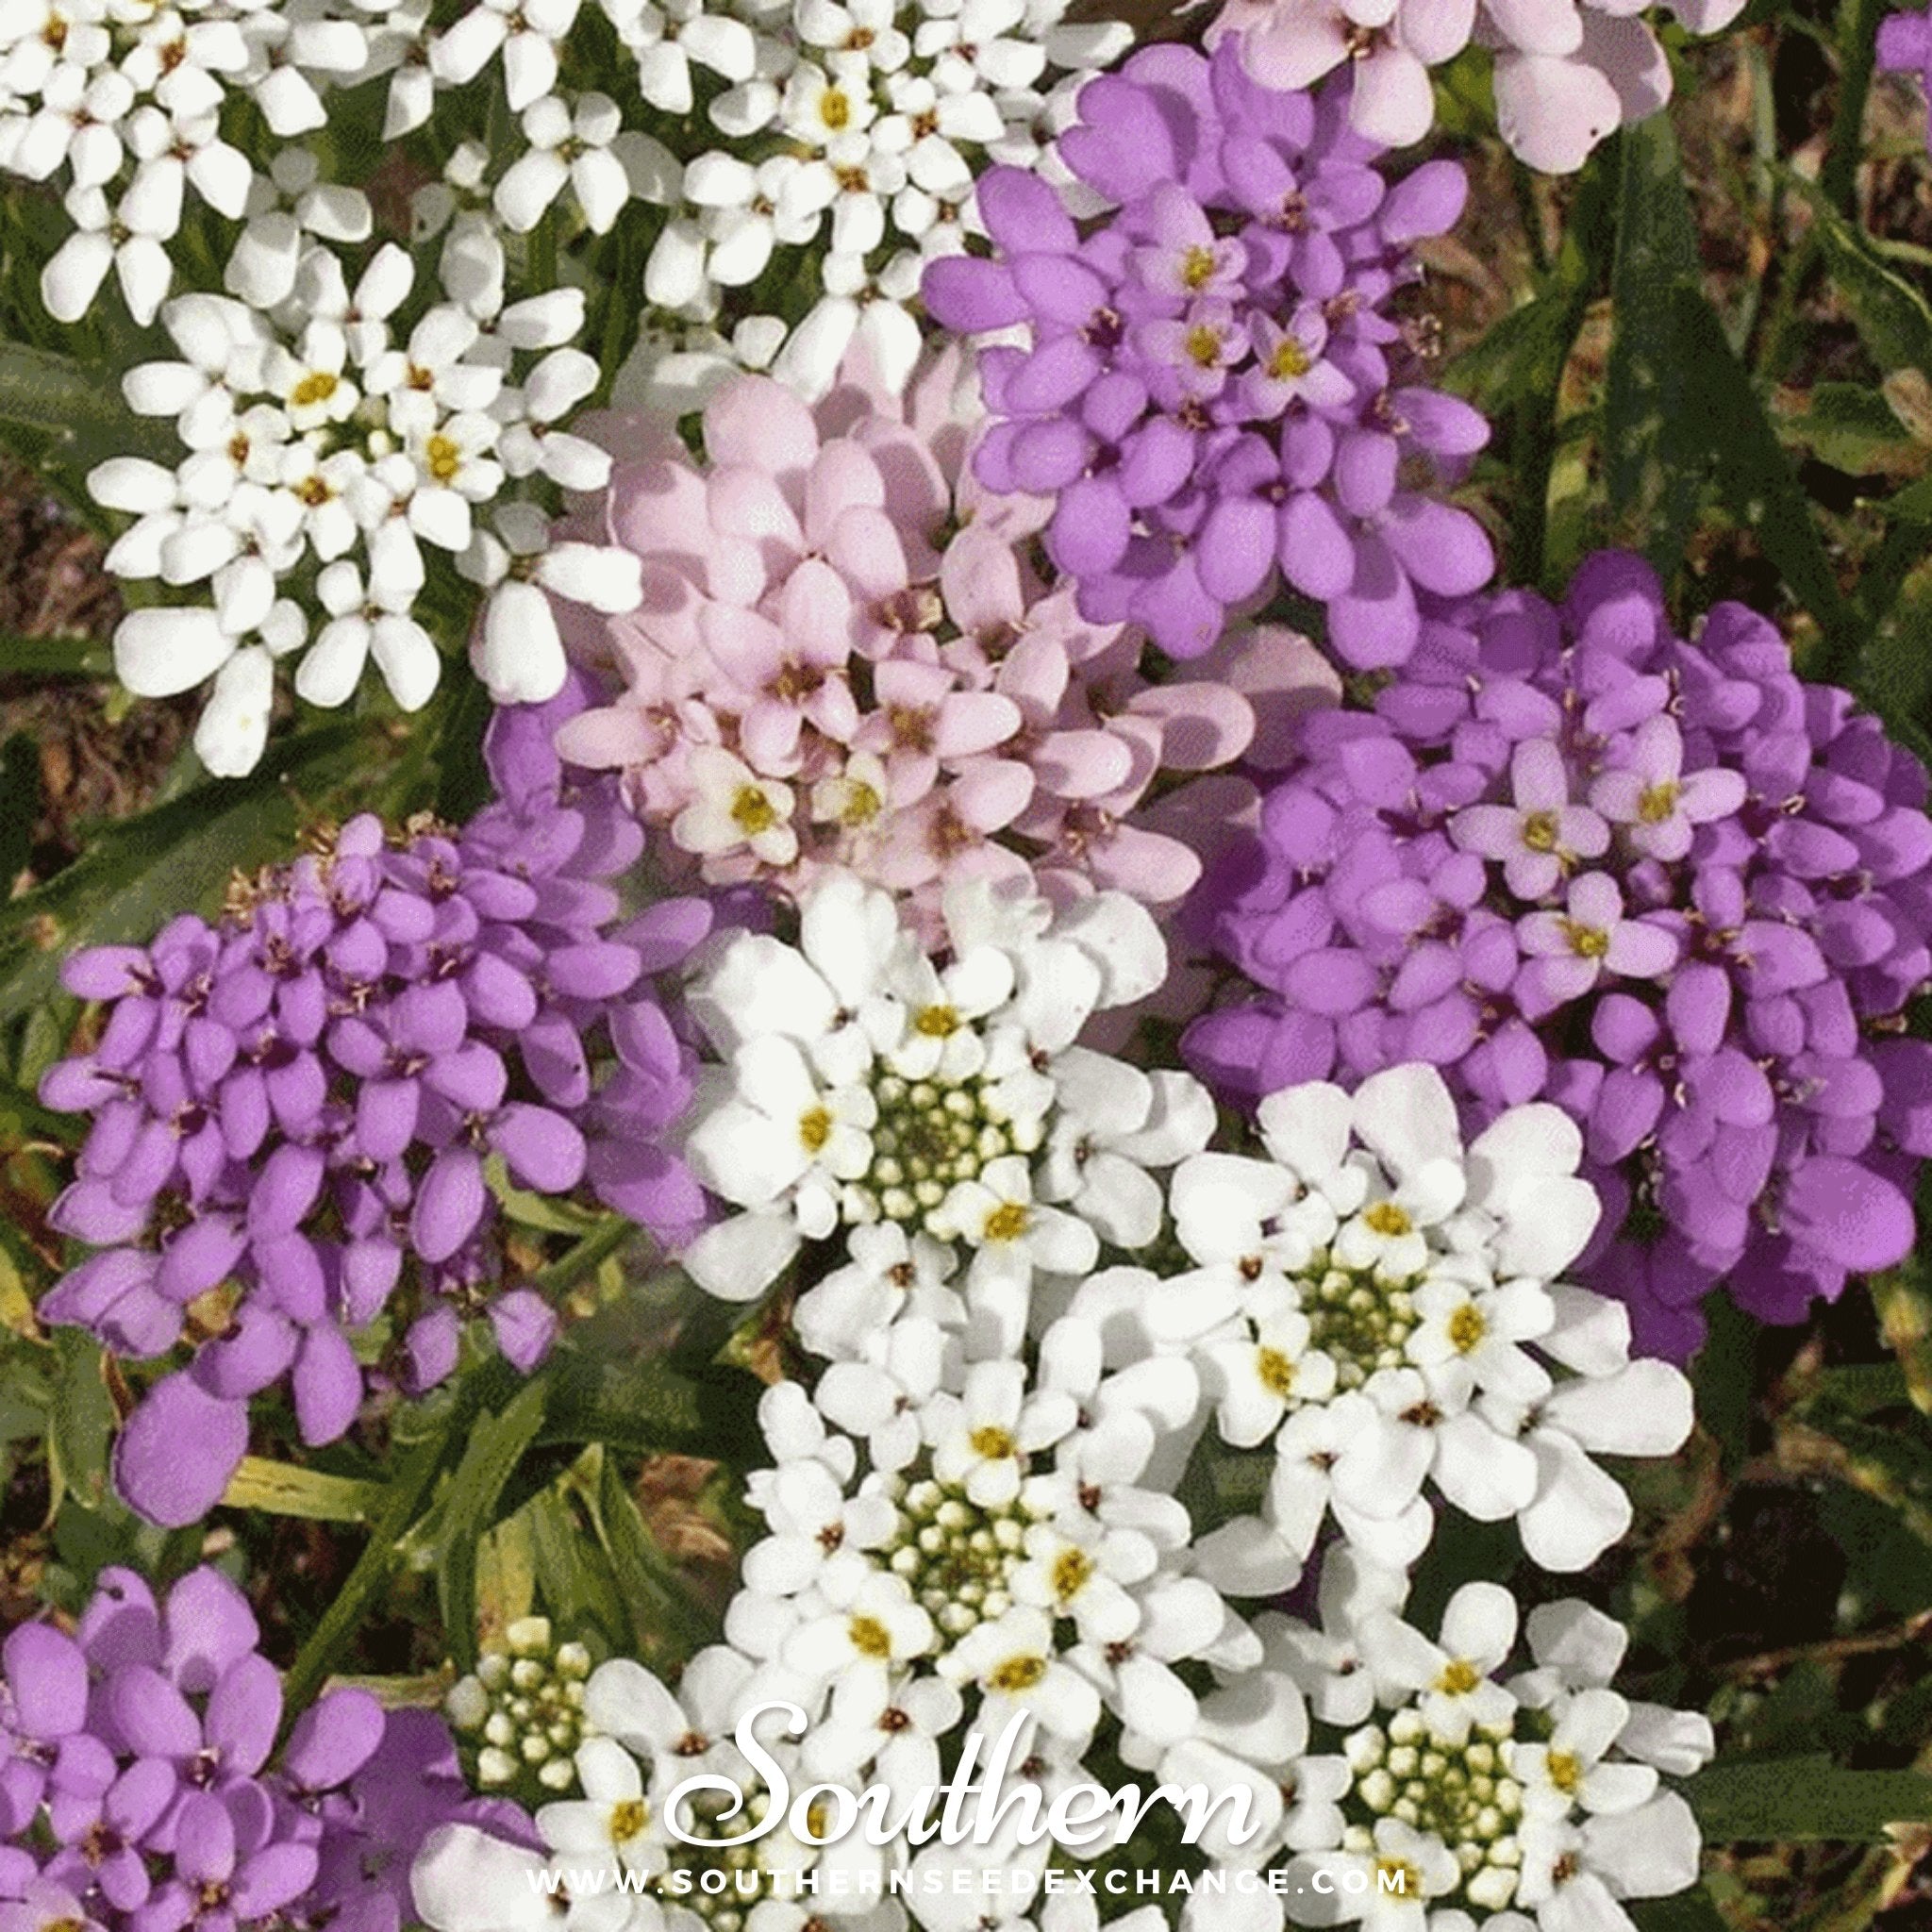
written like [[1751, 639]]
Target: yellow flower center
[[835, 109], [1071, 1569], [1007, 1222], [1460, 1677], [1203, 346], [937, 1023], [1018, 1673], [870, 1638], [862, 804], [1565, 1772], [992, 1442], [1586, 942], [814, 1129], [1658, 802], [1467, 1327], [443, 457], [316, 387], [1277, 1373], [627, 1819], [1386, 1218], [1397, 1878], [1288, 360], [752, 812], [1197, 267], [1540, 831]]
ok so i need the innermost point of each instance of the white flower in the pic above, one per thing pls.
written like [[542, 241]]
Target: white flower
[[527, 32], [569, 148], [614, 1824], [363, 624], [105, 237], [957, 1064], [668, 38], [517, 651], [1012, 1662]]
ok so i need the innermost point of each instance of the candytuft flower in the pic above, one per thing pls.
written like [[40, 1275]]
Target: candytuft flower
[[1659, 882], [1212, 388], [299, 1112]]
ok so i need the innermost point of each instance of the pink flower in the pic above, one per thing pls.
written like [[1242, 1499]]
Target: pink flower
[[844, 656]]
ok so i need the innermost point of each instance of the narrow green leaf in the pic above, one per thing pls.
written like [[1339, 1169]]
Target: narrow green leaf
[[1790, 1799], [72, 657], [1893, 319], [573, 1571], [283, 1488], [82, 1421], [1654, 443], [1754, 475], [647, 1408], [1912, 504], [81, 408], [404, 1496], [496, 1444], [20, 804], [666, 1623]]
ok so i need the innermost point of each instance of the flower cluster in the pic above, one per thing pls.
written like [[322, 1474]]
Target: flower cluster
[[1377, 1309], [331, 443], [142, 1784], [1215, 385], [1665, 884], [298, 1114], [854, 128], [1532, 1797], [821, 677], [936, 1113], [522, 1709], [1567, 71]]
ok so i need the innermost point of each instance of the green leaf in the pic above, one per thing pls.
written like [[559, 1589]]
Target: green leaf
[[495, 1446], [1754, 475], [404, 1494], [1893, 319], [282, 1489], [1851, 427], [647, 1408], [1654, 443], [138, 873], [82, 1420], [75, 656], [1791, 1799], [1687, 1911], [20, 804], [665, 1621], [79, 408]]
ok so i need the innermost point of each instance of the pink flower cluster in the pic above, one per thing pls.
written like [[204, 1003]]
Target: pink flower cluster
[[846, 656]]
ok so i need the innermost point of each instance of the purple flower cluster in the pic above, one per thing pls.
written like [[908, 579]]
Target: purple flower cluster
[[1666, 885], [296, 1112], [1215, 385], [137, 1791]]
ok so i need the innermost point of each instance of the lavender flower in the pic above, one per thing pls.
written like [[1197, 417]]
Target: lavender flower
[[138, 1791], [1664, 884], [1905, 46], [298, 1111], [1215, 384]]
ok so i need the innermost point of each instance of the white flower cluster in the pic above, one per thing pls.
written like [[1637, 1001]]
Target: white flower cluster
[[320, 435], [1533, 1800], [944, 1116], [1376, 1309], [852, 126]]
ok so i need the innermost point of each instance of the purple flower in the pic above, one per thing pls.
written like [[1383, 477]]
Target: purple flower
[[300, 1115], [1701, 964], [139, 1792], [1213, 390], [1905, 46]]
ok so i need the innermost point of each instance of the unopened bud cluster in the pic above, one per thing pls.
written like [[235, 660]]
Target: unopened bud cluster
[[521, 1709]]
